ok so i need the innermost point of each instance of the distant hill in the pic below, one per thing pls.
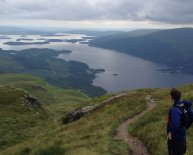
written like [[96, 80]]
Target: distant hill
[[172, 47], [14, 30], [43, 63], [130, 34], [11, 30]]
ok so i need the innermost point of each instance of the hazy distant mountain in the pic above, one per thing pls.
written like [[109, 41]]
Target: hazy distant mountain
[[7, 30], [173, 47], [134, 33]]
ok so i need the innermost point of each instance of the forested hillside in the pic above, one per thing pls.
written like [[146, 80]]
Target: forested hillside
[[172, 47]]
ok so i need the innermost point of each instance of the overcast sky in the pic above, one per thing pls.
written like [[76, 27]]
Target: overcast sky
[[97, 13]]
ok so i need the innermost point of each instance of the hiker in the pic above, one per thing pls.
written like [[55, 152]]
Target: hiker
[[176, 128]]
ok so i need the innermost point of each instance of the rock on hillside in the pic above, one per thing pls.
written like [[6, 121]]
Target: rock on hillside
[[77, 114]]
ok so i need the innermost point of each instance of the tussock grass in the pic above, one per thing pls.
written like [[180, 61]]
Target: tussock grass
[[152, 127], [89, 135], [19, 124], [38, 132]]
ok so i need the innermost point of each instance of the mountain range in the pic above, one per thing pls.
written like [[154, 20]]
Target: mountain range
[[171, 47]]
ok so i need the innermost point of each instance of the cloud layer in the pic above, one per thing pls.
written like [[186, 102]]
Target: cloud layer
[[164, 11]]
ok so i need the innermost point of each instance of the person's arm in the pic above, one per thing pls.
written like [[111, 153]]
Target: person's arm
[[175, 121]]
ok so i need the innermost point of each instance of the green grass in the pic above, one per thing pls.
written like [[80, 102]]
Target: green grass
[[48, 94], [17, 122], [151, 128], [40, 132], [90, 135]]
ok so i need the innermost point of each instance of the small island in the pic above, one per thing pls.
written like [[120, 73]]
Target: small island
[[115, 74], [89, 37], [54, 35], [54, 40], [14, 43], [4, 37], [95, 71], [74, 40], [41, 39], [84, 42], [23, 36], [24, 39]]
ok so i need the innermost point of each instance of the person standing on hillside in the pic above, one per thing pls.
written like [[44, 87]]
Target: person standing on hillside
[[176, 133]]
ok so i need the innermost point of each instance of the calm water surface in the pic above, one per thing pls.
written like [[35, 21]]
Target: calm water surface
[[122, 72]]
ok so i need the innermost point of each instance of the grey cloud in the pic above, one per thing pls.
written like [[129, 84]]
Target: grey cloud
[[173, 11], [167, 11]]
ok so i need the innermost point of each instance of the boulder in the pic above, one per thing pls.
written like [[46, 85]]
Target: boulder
[[32, 101], [77, 114]]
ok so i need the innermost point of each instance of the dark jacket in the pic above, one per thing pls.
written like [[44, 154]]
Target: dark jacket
[[177, 131]]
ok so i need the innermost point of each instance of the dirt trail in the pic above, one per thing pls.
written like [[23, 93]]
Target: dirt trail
[[137, 147]]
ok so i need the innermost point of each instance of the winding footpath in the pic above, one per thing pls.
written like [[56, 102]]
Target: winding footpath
[[136, 146]]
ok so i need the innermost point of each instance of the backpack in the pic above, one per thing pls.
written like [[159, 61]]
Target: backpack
[[187, 113]]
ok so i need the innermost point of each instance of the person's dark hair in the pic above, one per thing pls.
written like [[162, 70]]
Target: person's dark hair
[[175, 94]]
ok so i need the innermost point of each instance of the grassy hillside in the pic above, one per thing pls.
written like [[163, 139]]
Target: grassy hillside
[[40, 132], [18, 122], [90, 135], [49, 95], [152, 127], [172, 47]]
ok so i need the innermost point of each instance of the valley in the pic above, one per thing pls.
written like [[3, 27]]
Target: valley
[[40, 85], [96, 77]]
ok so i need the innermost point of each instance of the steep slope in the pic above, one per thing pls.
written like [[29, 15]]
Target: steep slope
[[20, 119], [151, 128], [28, 105], [90, 135], [42, 133], [172, 47], [49, 95]]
